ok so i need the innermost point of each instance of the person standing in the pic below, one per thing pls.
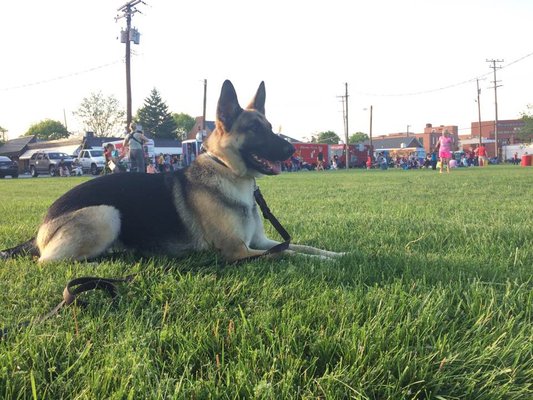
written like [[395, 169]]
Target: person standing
[[135, 141], [445, 150], [369, 162], [161, 163], [110, 162], [320, 161], [482, 159]]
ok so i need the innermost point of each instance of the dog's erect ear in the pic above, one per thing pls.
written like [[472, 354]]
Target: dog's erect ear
[[228, 108], [258, 103]]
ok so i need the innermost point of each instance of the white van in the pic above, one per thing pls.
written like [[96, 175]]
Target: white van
[[92, 160]]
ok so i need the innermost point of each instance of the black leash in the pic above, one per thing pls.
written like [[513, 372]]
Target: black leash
[[267, 214], [77, 286]]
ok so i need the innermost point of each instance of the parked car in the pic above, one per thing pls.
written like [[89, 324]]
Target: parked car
[[92, 160], [47, 162], [8, 167]]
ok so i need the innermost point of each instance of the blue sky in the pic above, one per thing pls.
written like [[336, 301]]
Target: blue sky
[[56, 53]]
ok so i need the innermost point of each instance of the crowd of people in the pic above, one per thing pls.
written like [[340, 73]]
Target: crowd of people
[[132, 156], [441, 158]]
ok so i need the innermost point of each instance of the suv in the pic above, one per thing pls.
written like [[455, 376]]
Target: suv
[[47, 162], [8, 167], [91, 160]]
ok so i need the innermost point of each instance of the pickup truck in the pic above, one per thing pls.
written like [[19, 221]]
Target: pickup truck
[[91, 160], [47, 162]]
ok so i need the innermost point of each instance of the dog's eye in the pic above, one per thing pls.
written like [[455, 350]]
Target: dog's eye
[[256, 126]]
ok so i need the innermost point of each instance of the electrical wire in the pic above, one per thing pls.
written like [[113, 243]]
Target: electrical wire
[[443, 87], [58, 78]]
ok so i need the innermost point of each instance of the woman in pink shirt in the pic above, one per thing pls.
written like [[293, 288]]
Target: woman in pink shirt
[[445, 150]]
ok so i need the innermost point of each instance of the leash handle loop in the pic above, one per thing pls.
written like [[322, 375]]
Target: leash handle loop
[[72, 290]]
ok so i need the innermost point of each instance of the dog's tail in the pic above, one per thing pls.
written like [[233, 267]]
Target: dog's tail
[[23, 249]]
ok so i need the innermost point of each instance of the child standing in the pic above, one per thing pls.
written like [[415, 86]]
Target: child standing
[[445, 150]]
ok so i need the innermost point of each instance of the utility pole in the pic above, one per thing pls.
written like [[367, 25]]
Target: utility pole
[[345, 120], [203, 115], [408, 130], [371, 147], [127, 36], [65, 119], [496, 86], [346, 134], [479, 110]]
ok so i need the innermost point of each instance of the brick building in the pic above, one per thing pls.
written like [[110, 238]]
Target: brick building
[[507, 130]]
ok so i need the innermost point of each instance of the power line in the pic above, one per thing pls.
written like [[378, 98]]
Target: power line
[[58, 78], [442, 87]]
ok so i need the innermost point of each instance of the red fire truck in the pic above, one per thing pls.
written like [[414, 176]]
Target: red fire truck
[[357, 154], [308, 153]]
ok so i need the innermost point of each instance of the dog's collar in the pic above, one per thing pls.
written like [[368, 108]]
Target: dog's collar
[[213, 157]]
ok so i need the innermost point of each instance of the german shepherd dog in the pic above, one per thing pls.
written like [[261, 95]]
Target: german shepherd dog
[[209, 205]]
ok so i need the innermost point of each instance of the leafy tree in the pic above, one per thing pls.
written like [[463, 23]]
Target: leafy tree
[[184, 123], [327, 137], [526, 132], [357, 137], [48, 130], [101, 115], [155, 117]]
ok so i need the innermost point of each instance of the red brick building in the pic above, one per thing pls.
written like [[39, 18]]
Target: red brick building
[[507, 130]]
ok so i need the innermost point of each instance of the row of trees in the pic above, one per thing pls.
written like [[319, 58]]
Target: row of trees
[[104, 116], [330, 137]]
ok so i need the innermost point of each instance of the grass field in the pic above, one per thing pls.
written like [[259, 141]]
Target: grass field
[[434, 300]]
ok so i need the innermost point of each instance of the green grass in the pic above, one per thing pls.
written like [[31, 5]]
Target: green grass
[[434, 300]]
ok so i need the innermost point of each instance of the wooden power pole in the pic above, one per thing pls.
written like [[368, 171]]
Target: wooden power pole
[[346, 128], [479, 110], [127, 36], [204, 132], [345, 123], [496, 86], [371, 147]]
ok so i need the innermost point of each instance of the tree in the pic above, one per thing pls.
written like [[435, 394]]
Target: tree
[[357, 137], [48, 130], [101, 115], [155, 117], [525, 134], [327, 137], [184, 123]]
